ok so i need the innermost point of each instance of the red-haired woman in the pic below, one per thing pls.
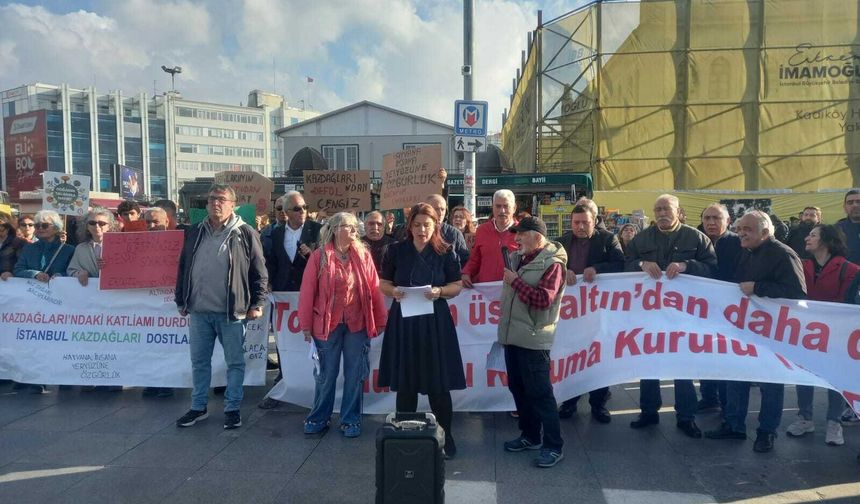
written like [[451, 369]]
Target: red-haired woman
[[421, 354], [462, 220]]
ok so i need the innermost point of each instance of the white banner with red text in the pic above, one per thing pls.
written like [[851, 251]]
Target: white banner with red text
[[63, 333], [625, 327]]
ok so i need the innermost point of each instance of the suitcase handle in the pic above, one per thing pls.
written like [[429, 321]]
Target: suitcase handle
[[411, 421]]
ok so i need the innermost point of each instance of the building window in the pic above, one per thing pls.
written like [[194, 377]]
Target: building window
[[341, 157]]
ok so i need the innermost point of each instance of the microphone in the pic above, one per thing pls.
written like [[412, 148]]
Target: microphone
[[506, 256]]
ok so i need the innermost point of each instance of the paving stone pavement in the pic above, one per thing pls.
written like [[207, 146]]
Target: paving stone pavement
[[118, 447]]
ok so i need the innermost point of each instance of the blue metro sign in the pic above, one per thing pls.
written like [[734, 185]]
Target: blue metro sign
[[470, 118]]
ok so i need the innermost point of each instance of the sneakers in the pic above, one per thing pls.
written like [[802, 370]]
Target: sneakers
[[849, 417], [764, 442], [191, 418], [725, 432], [548, 458], [800, 427], [834, 434], [351, 430], [232, 420], [315, 428], [519, 444]]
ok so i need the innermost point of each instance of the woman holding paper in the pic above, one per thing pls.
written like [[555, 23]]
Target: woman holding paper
[[87, 261], [420, 353], [828, 274], [340, 308]]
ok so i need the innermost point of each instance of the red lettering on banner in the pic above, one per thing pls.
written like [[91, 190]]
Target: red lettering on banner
[[590, 300], [854, 345], [495, 311], [706, 346], [580, 360], [470, 371], [453, 309], [852, 398], [477, 311], [784, 361], [721, 343], [627, 339], [655, 343], [738, 349], [493, 374], [655, 299], [786, 329], [280, 308]]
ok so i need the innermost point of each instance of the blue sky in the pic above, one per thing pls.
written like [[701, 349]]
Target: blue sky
[[402, 53]]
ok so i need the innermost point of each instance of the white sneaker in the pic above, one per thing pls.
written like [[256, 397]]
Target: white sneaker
[[834, 434], [800, 427], [849, 417]]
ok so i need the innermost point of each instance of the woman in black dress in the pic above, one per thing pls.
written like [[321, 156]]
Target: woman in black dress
[[421, 354]]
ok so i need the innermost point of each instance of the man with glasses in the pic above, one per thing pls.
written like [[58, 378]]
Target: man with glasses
[[221, 284], [292, 244]]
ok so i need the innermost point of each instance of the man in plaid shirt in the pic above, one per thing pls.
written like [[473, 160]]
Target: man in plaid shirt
[[531, 298]]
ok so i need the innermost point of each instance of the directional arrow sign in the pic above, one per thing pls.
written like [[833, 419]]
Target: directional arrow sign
[[470, 143]]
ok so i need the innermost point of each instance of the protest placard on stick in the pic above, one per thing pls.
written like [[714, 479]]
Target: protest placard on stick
[[251, 189], [410, 175], [337, 191], [140, 260], [65, 194]]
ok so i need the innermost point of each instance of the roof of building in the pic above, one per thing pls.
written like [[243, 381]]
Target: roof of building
[[364, 103]]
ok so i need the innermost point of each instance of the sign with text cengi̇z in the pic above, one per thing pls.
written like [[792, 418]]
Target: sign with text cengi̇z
[[337, 191], [141, 260], [409, 176]]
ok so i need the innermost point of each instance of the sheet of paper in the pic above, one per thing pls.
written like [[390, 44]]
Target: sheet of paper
[[314, 356], [414, 302], [496, 358]]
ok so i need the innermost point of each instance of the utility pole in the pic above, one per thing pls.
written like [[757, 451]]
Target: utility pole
[[468, 71]]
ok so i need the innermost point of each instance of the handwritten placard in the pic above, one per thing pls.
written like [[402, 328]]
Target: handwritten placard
[[251, 189], [337, 191], [410, 175], [140, 260], [65, 194]]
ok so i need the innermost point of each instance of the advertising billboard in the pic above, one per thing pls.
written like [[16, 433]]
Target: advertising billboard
[[26, 151], [130, 182]]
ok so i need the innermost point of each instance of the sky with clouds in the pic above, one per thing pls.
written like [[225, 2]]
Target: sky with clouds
[[404, 54]]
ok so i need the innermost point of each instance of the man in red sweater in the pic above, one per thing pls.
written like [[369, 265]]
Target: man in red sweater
[[485, 263]]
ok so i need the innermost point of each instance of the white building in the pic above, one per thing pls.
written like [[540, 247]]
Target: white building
[[357, 137], [168, 138]]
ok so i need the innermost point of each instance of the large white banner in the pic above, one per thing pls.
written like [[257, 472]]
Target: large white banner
[[625, 327], [63, 333]]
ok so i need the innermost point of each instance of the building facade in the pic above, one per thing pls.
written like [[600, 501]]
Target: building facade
[[169, 139], [735, 95]]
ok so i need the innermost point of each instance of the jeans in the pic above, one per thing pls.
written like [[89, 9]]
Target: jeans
[[528, 381], [203, 329], [835, 403], [713, 391], [738, 403], [354, 347], [650, 400]]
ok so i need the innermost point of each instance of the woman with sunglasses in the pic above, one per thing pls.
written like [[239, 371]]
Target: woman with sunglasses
[[46, 258], [10, 247], [340, 308], [421, 354], [87, 260], [27, 228]]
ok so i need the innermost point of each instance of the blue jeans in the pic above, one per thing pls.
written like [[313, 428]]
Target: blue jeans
[[203, 329], [354, 347], [738, 403], [835, 403], [650, 400]]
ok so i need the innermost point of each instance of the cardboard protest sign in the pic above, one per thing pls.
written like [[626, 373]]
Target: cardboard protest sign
[[409, 176], [251, 189], [140, 260], [338, 191], [65, 194]]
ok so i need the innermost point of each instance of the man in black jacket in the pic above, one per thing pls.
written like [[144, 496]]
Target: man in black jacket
[[589, 251], [810, 217], [766, 268], [850, 225], [674, 248], [292, 244], [221, 284]]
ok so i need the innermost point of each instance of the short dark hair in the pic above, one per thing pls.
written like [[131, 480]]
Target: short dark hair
[[833, 238], [850, 192], [223, 188], [127, 206], [166, 205]]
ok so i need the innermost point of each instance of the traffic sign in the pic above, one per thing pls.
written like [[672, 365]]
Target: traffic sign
[[470, 143], [470, 118]]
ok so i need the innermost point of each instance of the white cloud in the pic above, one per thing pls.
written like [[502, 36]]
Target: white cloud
[[403, 53]]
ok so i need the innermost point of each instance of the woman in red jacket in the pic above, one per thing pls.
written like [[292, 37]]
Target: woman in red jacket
[[828, 275], [340, 308]]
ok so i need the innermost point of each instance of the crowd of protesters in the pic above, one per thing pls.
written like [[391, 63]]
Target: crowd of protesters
[[342, 267]]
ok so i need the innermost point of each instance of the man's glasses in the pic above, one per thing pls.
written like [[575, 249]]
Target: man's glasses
[[218, 199], [44, 225], [100, 224]]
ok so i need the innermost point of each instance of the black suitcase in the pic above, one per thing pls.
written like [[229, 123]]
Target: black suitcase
[[410, 463]]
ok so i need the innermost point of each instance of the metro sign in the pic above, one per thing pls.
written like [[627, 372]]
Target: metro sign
[[470, 118]]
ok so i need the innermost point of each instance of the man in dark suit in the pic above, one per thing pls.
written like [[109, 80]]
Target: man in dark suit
[[291, 247], [589, 251], [292, 244]]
